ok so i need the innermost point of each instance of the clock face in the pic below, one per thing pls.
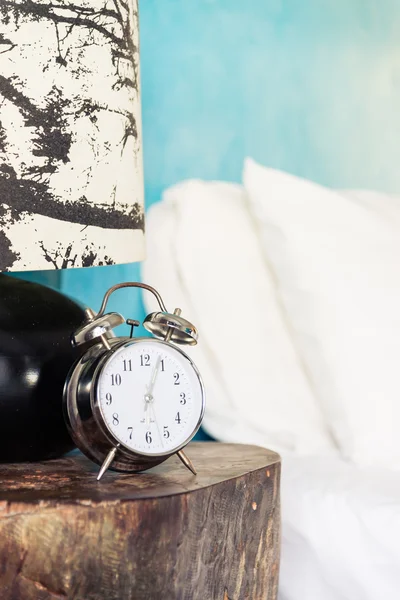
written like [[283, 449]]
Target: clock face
[[150, 396]]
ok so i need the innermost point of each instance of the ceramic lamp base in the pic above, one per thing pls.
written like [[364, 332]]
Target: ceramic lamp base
[[36, 323]]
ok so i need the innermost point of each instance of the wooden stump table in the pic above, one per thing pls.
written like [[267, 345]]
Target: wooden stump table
[[161, 535]]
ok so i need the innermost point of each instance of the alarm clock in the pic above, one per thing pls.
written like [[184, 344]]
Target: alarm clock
[[132, 402]]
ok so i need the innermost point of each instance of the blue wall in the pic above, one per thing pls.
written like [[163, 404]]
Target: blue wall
[[309, 86]]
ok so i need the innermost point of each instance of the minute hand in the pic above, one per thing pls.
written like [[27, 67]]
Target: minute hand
[[150, 387], [148, 396]]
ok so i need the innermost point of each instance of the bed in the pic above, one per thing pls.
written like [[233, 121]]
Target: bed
[[340, 504]]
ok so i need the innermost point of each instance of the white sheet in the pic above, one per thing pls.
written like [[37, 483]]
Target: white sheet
[[341, 531], [341, 523]]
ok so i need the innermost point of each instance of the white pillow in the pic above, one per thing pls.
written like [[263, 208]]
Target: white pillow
[[337, 265], [204, 256], [384, 206]]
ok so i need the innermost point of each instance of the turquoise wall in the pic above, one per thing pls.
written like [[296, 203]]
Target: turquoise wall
[[310, 86]]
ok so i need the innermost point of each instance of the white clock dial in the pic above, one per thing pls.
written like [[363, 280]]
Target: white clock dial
[[150, 396]]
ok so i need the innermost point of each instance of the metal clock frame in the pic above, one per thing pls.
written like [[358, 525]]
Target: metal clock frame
[[81, 406]]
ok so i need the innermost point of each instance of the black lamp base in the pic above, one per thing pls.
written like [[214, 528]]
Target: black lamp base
[[36, 324]]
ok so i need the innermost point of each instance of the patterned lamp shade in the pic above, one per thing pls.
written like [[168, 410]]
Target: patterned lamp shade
[[71, 182]]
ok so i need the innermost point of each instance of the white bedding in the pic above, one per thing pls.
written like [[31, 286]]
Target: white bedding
[[341, 531], [204, 255], [336, 263], [340, 522]]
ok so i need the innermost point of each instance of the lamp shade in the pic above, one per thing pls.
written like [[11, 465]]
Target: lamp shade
[[71, 178]]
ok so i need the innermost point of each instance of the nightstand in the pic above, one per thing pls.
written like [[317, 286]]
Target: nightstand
[[161, 535]]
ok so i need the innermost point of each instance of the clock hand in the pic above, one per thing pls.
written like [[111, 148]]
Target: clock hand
[[146, 413], [158, 428], [151, 385], [148, 396]]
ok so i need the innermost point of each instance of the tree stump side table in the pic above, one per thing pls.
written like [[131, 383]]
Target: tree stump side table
[[160, 535]]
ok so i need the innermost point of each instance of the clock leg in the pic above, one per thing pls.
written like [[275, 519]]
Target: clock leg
[[109, 458], [186, 461]]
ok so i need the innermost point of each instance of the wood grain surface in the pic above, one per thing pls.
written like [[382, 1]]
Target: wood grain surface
[[160, 535]]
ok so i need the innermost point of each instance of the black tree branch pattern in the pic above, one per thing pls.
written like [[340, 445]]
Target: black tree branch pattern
[[70, 148]]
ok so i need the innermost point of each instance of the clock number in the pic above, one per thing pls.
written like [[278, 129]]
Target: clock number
[[166, 432], [178, 418], [128, 365], [116, 379], [130, 429], [162, 365], [145, 360], [176, 377], [183, 398], [149, 439], [108, 399], [115, 419]]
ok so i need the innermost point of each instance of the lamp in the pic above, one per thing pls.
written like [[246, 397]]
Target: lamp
[[71, 191]]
